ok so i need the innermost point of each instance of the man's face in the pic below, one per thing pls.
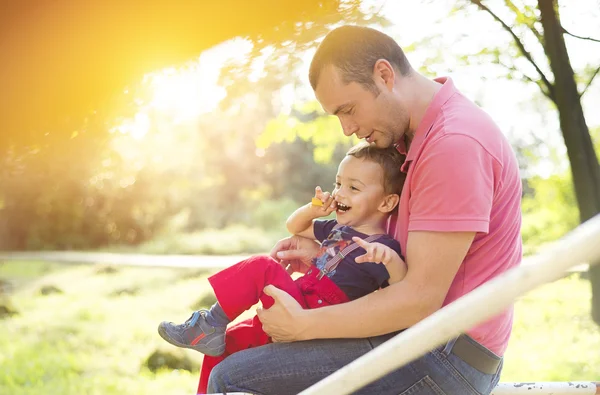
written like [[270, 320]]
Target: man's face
[[377, 118]]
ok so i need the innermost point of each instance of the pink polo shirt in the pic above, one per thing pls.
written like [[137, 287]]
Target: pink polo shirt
[[462, 175]]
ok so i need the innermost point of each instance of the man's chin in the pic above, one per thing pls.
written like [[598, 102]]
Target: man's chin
[[382, 143]]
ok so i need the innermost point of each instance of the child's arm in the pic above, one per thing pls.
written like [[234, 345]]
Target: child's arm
[[300, 223], [380, 253]]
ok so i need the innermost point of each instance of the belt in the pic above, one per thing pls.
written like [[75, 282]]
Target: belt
[[475, 355]]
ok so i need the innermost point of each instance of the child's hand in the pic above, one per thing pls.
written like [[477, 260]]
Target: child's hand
[[328, 203], [375, 252], [380, 253]]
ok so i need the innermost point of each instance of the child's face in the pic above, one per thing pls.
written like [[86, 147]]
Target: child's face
[[359, 192]]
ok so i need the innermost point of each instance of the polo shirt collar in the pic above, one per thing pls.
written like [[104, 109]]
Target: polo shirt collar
[[431, 114]]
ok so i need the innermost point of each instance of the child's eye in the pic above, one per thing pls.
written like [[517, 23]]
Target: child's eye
[[354, 188], [337, 184]]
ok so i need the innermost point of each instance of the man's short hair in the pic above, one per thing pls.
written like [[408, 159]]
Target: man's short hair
[[354, 50], [389, 159]]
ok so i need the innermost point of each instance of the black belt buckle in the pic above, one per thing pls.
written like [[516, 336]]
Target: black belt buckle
[[473, 354]]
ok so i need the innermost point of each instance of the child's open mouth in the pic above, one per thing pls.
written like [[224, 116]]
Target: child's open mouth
[[342, 207]]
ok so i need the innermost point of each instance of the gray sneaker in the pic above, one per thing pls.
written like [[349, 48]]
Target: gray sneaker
[[196, 334]]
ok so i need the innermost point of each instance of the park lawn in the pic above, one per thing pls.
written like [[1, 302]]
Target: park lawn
[[94, 337]]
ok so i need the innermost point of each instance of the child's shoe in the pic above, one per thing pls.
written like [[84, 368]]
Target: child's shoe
[[196, 334]]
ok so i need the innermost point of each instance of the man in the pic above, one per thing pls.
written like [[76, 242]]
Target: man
[[458, 224]]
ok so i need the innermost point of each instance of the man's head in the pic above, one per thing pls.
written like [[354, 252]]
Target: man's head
[[357, 75], [368, 185]]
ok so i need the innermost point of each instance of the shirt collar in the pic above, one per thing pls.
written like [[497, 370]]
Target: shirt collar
[[431, 114]]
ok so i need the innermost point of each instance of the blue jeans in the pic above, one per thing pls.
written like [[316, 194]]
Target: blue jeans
[[289, 368]]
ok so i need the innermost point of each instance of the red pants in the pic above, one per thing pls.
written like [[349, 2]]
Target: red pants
[[240, 286]]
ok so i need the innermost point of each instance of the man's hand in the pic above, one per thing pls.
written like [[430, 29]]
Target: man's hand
[[295, 253], [285, 320]]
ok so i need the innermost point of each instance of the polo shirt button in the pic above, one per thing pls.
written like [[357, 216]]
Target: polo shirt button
[[319, 301]]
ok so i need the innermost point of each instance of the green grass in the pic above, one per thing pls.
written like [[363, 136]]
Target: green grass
[[554, 337], [94, 338], [86, 341]]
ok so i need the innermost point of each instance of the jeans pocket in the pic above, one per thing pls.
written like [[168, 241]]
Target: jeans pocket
[[425, 386]]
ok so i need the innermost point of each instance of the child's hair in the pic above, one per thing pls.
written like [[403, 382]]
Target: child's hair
[[389, 159]]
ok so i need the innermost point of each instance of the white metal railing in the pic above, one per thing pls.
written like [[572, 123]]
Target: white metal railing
[[581, 245], [554, 388]]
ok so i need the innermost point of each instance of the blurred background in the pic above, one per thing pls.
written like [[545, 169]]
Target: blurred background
[[191, 128]]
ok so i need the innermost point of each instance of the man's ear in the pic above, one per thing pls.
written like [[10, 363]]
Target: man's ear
[[384, 72], [389, 203]]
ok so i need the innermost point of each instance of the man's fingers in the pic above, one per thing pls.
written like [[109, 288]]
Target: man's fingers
[[288, 255], [283, 244], [273, 292]]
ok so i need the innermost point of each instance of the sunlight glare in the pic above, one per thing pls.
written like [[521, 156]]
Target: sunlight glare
[[191, 91]]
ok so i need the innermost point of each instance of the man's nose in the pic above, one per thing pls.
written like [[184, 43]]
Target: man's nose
[[349, 127]]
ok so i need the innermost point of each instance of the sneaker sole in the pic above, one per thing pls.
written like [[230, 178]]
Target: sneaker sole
[[200, 348]]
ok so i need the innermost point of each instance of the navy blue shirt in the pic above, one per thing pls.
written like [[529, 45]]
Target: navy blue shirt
[[354, 279]]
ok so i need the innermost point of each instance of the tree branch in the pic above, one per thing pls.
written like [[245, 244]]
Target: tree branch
[[524, 52], [527, 78], [580, 37], [531, 25], [589, 82]]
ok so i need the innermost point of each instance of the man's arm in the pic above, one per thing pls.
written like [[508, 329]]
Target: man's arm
[[433, 259]]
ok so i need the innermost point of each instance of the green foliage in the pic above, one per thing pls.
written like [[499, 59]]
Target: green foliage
[[549, 211], [234, 239], [80, 187], [272, 214], [323, 131], [78, 200], [169, 359], [204, 302]]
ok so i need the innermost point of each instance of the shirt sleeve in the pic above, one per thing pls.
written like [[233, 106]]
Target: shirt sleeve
[[322, 228], [453, 187]]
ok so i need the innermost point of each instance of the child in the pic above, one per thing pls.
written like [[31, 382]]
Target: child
[[355, 259]]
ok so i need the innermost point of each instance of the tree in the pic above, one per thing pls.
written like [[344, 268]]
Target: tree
[[63, 184], [63, 60], [561, 88]]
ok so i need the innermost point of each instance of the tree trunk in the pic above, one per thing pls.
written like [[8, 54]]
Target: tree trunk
[[584, 163]]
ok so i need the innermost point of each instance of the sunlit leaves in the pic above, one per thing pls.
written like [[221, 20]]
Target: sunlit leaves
[[323, 131]]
